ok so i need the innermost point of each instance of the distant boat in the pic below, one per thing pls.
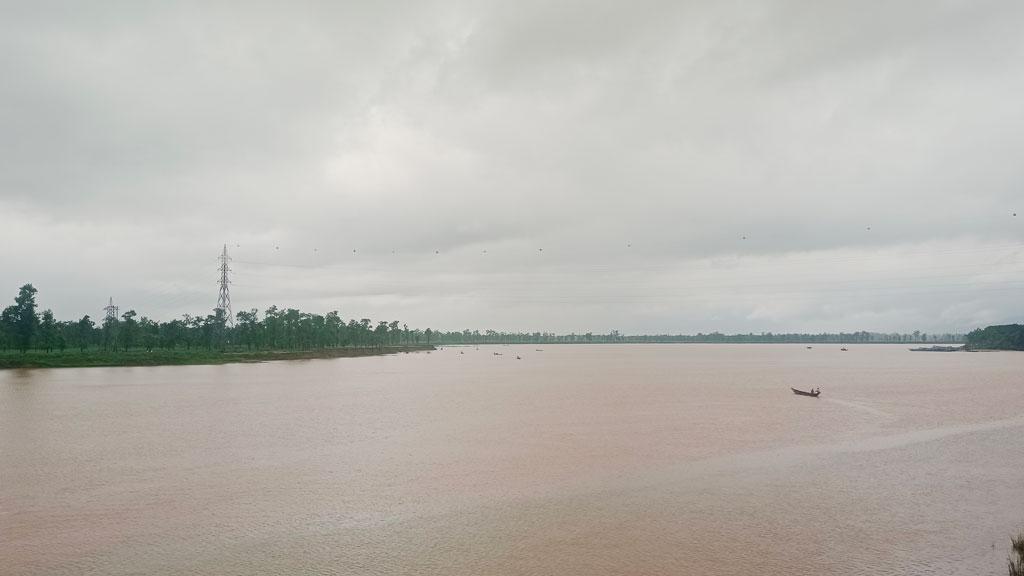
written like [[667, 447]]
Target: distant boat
[[809, 347], [843, 350], [497, 353], [813, 394], [539, 350], [518, 358]]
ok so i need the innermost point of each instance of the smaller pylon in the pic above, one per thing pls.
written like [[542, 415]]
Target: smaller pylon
[[224, 300], [111, 310]]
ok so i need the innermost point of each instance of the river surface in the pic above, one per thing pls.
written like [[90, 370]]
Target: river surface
[[589, 460]]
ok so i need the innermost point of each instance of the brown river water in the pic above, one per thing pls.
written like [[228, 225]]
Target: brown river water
[[590, 460]]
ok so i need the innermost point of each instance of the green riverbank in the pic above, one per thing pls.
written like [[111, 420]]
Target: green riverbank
[[157, 357]]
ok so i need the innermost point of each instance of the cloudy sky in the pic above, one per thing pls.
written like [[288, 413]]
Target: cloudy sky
[[565, 166]]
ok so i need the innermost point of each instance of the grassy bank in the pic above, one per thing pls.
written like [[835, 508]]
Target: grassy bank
[[91, 358]]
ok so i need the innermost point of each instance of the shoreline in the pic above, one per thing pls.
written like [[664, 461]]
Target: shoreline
[[100, 359]]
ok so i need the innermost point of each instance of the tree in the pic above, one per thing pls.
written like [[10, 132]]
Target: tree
[[65, 333], [7, 327], [150, 331], [47, 331], [214, 328], [24, 317], [291, 320], [272, 327], [130, 329], [190, 329], [173, 332], [248, 324], [110, 332], [335, 327], [353, 332], [84, 330]]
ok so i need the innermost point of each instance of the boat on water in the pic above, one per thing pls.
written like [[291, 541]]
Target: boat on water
[[844, 350], [812, 393]]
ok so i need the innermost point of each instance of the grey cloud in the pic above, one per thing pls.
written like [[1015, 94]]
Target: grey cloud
[[158, 132]]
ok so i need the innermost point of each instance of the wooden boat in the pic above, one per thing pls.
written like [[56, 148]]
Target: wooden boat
[[802, 393]]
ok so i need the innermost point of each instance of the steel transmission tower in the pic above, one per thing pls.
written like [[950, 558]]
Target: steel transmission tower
[[224, 300], [111, 310]]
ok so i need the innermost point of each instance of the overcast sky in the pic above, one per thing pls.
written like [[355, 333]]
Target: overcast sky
[[565, 166]]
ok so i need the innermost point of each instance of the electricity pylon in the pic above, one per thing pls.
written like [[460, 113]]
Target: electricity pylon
[[111, 310], [224, 300]]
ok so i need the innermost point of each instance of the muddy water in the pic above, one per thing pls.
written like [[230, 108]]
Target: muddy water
[[675, 459]]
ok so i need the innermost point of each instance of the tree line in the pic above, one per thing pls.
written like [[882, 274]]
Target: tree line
[[23, 327], [1004, 337], [614, 337]]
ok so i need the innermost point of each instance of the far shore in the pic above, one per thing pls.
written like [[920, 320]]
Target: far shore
[[156, 357]]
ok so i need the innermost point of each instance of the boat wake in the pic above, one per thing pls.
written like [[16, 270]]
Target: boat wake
[[862, 407]]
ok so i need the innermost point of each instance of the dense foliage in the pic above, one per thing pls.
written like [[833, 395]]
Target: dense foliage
[[1004, 337], [23, 328]]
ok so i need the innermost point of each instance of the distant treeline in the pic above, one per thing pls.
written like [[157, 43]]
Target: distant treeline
[[1005, 337], [24, 328], [492, 337]]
